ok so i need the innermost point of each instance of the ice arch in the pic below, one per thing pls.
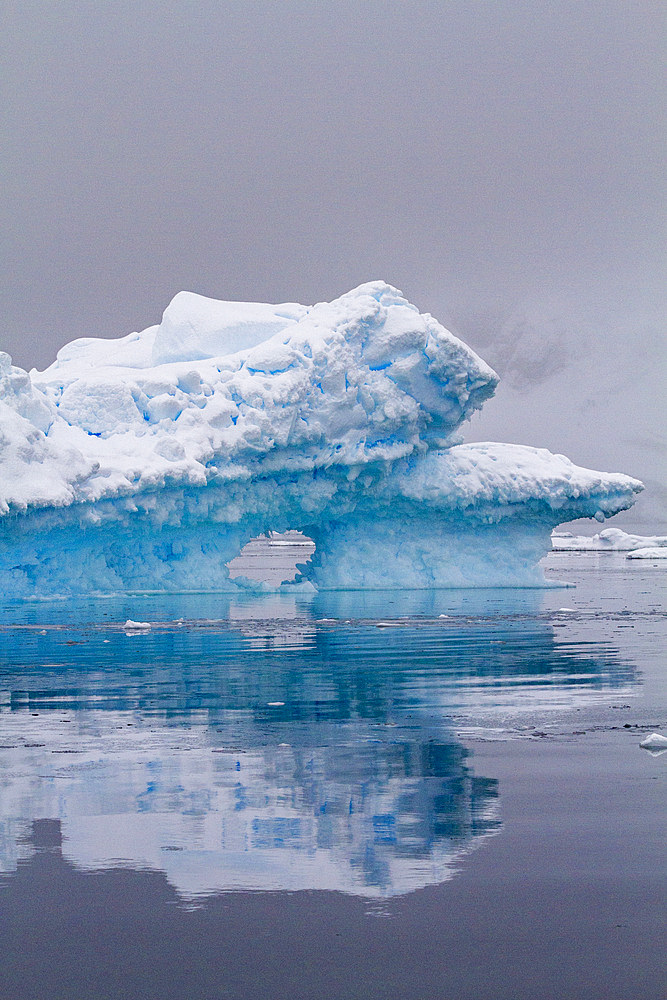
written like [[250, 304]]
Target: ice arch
[[272, 559]]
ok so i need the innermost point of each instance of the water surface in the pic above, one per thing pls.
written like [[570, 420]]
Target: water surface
[[333, 795]]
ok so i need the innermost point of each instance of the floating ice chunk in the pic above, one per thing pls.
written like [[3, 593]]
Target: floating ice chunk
[[131, 626], [656, 744], [651, 552]]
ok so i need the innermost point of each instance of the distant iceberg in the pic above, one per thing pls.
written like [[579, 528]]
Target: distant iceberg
[[150, 461], [609, 540]]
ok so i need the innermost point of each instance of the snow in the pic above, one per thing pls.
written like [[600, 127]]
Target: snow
[[194, 327], [150, 461], [609, 540]]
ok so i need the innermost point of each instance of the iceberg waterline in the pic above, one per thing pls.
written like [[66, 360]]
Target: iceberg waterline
[[149, 461]]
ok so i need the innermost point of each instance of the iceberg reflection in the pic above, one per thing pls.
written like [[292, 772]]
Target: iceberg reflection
[[268, 745], [375, 818]]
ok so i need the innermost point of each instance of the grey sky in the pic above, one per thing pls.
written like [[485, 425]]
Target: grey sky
[[468, 152], [479, 155]]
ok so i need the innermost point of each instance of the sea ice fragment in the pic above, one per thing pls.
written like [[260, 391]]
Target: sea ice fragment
[[656, 744]]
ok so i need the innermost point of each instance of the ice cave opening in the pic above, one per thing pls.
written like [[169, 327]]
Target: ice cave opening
[[273, 558]]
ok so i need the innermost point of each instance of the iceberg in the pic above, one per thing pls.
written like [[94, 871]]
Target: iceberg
[[148, 462], [609, 540]]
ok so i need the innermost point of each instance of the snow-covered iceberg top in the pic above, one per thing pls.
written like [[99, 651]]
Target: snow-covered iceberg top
[[220, 388], [150, 460]]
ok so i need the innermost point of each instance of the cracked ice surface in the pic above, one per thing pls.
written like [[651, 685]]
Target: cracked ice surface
[[149, 461]]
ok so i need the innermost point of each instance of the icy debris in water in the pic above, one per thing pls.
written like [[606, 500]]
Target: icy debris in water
[[275, 704], [562, 611], [131, 626], [655, 744], [444, 616]]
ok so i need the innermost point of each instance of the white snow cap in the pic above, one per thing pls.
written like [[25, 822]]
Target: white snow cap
[[217, 385], [194, 327]]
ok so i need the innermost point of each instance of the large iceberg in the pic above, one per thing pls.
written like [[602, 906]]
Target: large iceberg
[[148, 462]]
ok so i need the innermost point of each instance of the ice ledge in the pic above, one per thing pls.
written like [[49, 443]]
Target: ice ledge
[[474, 515]]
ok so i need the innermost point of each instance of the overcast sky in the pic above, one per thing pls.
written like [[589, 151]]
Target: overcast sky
[[472, 153]]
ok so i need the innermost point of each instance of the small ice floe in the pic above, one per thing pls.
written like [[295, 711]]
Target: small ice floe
[[566, 611], [132, 627], [655, 744], [275, 704], [296, 587], [650, 552], [444, 616]]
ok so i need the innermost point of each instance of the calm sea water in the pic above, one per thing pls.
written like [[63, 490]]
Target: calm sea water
[[385, 795]]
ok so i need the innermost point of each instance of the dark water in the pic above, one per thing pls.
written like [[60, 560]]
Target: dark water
[[389, 795]]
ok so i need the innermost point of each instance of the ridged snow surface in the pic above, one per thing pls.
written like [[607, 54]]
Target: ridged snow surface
[[149, 461]]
